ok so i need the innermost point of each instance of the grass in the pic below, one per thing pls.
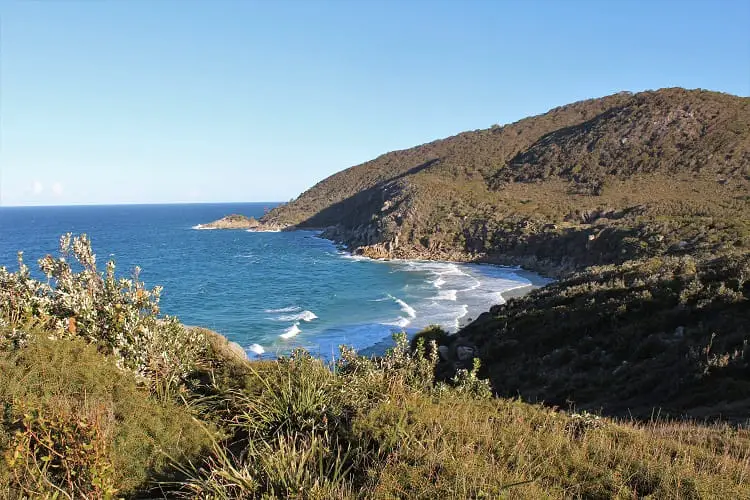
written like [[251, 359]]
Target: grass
[[100, 422], [295, 428]]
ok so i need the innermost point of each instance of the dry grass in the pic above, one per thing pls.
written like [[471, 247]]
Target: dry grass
[[465, 449]]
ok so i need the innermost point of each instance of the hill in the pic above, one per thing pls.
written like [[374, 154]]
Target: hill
[[639, 203], [594, 182]]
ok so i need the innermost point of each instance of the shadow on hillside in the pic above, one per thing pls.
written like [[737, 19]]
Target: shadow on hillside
[[359, 208], [623, 342], [523, 166]]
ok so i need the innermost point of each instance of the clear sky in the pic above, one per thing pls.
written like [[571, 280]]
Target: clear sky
[[176, 101]]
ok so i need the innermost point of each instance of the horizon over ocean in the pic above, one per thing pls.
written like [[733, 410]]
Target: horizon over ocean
[[269, 292]]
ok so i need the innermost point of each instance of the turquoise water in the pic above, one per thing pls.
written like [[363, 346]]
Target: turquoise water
[[270, 292]]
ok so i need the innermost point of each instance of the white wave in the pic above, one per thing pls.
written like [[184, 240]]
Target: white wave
[[306, 316], [409, 310], [439, 282], [283, 309], [201, 227], [291, 331], [464, 312], [447, 295], [257, 349], [400, 322], [477, 284], [356, 258]]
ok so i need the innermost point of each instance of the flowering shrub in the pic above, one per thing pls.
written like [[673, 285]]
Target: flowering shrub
[[119, 314]]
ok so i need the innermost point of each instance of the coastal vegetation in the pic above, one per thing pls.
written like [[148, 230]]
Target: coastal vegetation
[[637, 203], [627, 377], [92, 409]]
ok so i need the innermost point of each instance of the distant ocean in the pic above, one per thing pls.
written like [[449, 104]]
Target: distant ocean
[[270, 292]]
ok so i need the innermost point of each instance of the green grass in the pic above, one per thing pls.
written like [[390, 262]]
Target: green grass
[[426, 440], [63, 387], [368, 429]]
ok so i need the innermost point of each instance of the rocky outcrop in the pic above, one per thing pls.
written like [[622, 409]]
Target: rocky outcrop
[[236, 221], [233, 221]]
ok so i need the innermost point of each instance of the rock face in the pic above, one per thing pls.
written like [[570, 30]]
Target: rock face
[[236, 221]]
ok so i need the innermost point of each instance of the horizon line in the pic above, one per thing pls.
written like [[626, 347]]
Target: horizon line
[[142, 204]]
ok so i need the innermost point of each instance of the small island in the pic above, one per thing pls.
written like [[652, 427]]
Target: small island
[[233, 221]]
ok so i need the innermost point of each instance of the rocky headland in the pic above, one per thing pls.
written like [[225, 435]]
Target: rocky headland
[[233, 221], [236, 221], [637, 203]]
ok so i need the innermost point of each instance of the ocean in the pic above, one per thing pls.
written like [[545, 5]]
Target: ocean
[[269, 292]]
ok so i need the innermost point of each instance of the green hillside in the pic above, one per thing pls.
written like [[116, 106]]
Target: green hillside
[[594, 182], [627, 377], [639, 203]]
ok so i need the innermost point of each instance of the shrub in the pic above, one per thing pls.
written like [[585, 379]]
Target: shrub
[[54, 451], [102, 431], [120, 315]]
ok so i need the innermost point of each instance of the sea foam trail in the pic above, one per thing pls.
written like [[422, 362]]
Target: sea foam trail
[[201, 227], [356, 258], [291, 331], [409, 310], [400, 323], [464, 312], [446, 295], [305, 316], [439, 282], [283, 309]]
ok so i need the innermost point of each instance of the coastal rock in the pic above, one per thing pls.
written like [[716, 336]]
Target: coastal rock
[[237, 350], [236, 221], [465, 353], [455, 353], [233, 221]]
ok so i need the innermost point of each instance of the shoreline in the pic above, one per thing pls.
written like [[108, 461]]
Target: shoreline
[[536, 280]]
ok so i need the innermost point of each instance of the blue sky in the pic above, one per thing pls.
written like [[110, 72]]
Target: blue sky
[[179, 101]]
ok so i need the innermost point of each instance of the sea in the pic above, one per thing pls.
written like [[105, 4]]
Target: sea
[[270, 292]]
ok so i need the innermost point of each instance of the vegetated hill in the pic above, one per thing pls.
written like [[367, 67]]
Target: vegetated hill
[[595, 182], [640, 203]]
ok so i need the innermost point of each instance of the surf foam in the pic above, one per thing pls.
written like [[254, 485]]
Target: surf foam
[[257, 349], [447, 295], [291, 331], [283, 309], [409, 310], [305, 316]]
